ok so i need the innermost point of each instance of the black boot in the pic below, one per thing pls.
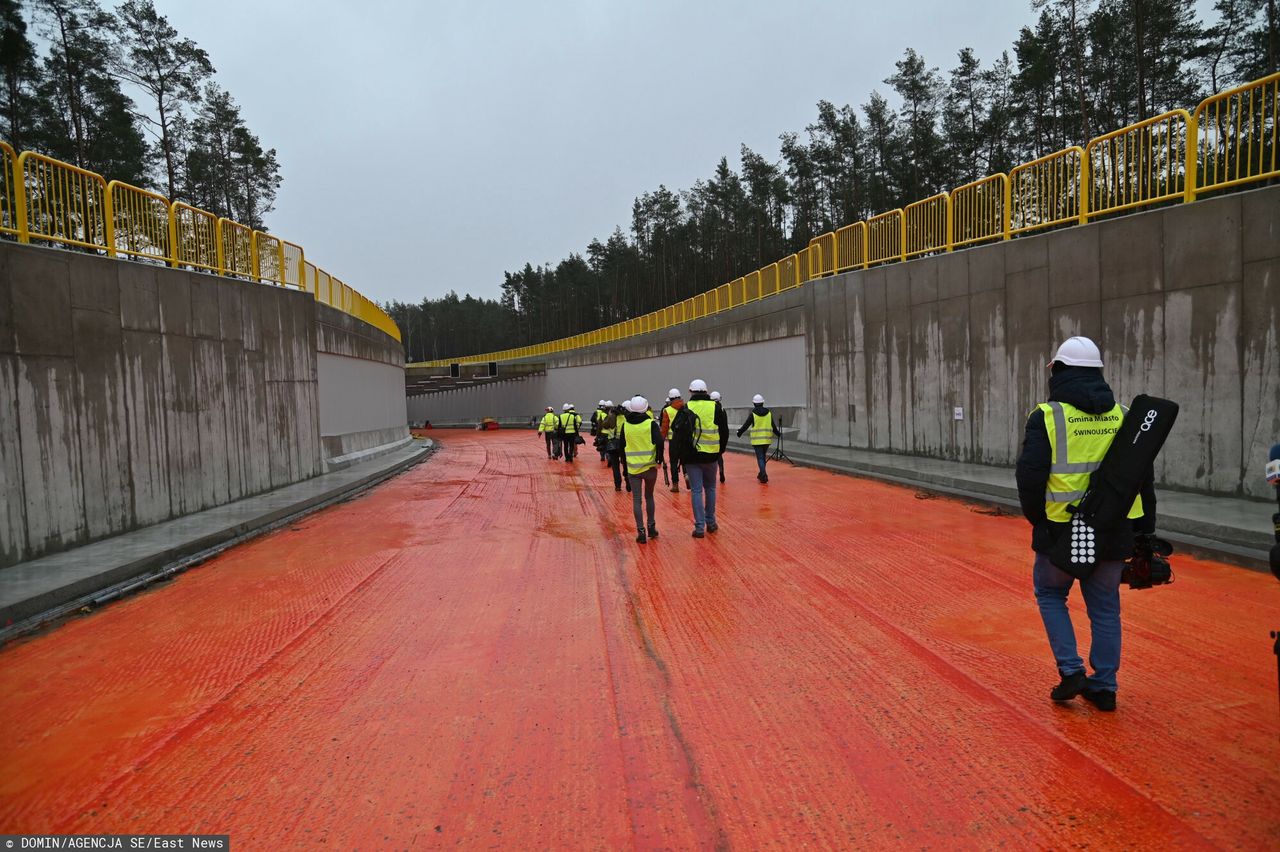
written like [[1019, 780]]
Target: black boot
[[640, 539], [653, 531], [1071, 686], [1103, 699]]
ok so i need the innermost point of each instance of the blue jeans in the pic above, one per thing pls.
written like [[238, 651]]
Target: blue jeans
[[762, 456], [1102, 603], [702, 475]]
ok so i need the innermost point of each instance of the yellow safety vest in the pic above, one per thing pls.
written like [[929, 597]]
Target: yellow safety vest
[[569, 422], [706, 434], [671, 411], [648, 412], [548, 423], [1078, 441], [641, 452], [761, 429], [605, 430]]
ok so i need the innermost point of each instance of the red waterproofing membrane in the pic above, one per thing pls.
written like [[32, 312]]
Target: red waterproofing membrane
[[476, 653]]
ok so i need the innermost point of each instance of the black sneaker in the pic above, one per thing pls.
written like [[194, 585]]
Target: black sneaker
[[653, 531], [1071, 686], [1103, 699], [712, 527], [640, 539], [617, 488], [699, 534]]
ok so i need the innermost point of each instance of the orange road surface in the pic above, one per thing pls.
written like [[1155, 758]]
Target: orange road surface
[[477, 654]]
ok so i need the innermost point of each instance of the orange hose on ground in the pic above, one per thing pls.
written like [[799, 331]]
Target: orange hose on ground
[[477, 653]]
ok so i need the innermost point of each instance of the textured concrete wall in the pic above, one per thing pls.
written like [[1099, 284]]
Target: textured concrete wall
[[774, 367], [131, 394], [1184, 302]]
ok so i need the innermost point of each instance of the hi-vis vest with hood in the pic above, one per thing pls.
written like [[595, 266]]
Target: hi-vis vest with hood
[[761, 429], [549, 421], [706, 434], [637, 440], [1078, 441]]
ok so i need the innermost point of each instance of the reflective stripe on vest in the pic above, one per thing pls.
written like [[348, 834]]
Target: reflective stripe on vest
[[706, 434], [1078, 441], [548, 422], [637, 439], [569, 421], [761, 429]]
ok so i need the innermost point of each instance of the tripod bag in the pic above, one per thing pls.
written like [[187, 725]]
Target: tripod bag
[[1115, 484]]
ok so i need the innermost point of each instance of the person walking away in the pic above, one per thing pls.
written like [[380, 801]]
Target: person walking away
[[547, 428], [674, 404], [762, 428], [640, 442], [595, 417], [570, 425], [609, 430], [701, 433], [603, 445], [720, 461], [1065, 439]]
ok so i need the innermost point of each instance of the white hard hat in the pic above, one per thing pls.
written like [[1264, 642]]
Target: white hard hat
[[758, 399], [549, 408], [567, 406], [715, 394], [602, 402], [673, 394], [697, 385], [608, 403], [639, 404], [1078, 352]]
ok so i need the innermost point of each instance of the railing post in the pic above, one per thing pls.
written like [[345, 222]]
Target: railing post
[[950, 236], [1086, 184], [219, 252], [20, 198], [864, 229], [1007, 216], [284, 274], [109, 221], [902, 239], [173, 234], [1193, 156]]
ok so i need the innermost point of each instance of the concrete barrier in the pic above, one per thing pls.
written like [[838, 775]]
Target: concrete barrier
[[131, 394], [944, 356]]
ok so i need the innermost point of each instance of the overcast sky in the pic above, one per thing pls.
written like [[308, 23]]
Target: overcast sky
[[430, 146]]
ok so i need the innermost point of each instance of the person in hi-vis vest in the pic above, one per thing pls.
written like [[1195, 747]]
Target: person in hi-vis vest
[[570, 426], [547, 428], [669, 412], [1066, 440], [640, 448], [762, 426], [701, 432]]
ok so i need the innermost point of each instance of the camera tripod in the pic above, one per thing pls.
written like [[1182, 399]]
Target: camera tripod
[[779, 454]]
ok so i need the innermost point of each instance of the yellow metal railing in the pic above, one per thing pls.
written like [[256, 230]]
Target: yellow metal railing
[[1047, 191], [8, 203], [47, 200], [235, 241], [1237, 137], [139, 223], [926, 226], [823, 255], [884, 237], [60, 203], [851, 247], [195, 237], [980, 211], [1134, 166]]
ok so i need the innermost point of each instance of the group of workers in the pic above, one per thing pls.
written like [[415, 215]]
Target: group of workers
[[635, 442]]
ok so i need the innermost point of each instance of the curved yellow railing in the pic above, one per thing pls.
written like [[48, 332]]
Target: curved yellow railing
[[47, 200]]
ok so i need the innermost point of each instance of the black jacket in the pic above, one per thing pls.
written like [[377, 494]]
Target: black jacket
[[1084, 388], [722, 423], [762, 411], [635, 420]]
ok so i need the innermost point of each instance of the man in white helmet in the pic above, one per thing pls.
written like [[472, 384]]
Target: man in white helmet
[[701, 433], [547, 428], [570, 426], [1066, 438], [715, 395], [640, 448], [763, 429], [669, 412]]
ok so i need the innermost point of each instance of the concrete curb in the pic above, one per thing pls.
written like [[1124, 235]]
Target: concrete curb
[[152, 563]]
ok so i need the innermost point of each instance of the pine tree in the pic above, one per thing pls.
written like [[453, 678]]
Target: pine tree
[[21, 77], [919, 87]]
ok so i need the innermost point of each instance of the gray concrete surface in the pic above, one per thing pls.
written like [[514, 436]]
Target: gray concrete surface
[[43, 588], [1184, 302], [132, 394]]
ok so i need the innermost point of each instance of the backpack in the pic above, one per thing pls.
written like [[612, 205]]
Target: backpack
[[685, 429]]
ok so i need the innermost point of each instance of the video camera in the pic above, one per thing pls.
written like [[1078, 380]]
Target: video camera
[[1147, 566]]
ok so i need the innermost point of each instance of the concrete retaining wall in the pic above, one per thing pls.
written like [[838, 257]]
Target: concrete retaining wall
[[131, 394], [1184, 301]]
